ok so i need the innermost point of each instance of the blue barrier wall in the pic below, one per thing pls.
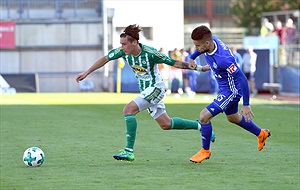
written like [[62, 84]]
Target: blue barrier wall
[[289, 79], [262, 73]]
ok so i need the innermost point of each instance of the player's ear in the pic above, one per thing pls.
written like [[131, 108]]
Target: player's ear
[[207, 43], [135, 42]]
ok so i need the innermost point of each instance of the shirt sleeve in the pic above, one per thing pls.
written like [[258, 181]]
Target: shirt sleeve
[[244, 86], [162, 58], [115, 54], [194, 55]]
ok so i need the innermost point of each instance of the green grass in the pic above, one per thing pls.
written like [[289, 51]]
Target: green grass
[[80, 132]]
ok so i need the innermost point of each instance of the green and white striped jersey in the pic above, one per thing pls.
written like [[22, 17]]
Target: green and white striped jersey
[[144, 65]]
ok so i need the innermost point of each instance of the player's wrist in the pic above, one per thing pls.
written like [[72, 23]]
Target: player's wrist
[[199, 68]]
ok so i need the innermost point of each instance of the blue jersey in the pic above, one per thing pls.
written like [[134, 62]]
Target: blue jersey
[[223, 64], [228, 74]]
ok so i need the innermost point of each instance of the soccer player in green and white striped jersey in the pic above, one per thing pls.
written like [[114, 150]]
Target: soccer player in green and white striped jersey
[[143, 61]]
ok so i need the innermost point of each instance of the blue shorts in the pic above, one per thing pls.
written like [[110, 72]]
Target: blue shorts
[[224, 102]]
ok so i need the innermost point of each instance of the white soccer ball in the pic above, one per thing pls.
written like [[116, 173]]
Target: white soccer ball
[[33, 156]]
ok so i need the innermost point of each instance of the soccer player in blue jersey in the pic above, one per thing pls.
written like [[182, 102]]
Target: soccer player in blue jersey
[[144, 62], [233, 86]]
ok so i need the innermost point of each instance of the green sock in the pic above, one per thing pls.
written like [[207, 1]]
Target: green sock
[[179, 123], [170, 85], [131, 126], [180, 83]]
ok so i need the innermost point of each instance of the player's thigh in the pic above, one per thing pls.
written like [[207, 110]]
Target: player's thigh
[[153, 94], [224, 102], [155, 110]]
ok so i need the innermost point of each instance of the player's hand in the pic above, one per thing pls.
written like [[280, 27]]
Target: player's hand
[[205, 68], [81, 76], [247, 112], [192, 64]]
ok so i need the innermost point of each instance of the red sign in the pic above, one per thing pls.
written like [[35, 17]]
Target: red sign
[[7, 35]]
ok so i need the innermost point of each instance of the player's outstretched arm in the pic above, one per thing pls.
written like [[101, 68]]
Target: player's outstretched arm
[[182, 65], [98, 64]]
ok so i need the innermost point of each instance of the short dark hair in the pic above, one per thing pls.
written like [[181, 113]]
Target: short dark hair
[[201, 32], [132, 32]]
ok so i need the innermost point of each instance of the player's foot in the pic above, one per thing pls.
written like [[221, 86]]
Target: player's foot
[[124, 155], [213, 137], [200, 156], [262, 137]]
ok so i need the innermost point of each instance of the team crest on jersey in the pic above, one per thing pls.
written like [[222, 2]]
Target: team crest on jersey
[[111, 55], [231, 69], [215, 65]]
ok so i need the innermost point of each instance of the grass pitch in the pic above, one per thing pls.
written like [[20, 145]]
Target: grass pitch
[[80, 132]]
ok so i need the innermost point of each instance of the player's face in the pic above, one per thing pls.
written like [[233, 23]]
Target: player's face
[[127, 46], [201, 45]]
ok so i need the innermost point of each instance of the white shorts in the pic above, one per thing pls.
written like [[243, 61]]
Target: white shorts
[[151, 99]]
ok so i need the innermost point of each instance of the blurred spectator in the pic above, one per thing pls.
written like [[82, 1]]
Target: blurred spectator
[[290, 32], [237, 56], [175, 73], [189, 76], [290, 36], [164, 71], [279, 32], [249, 68], [266, 27]]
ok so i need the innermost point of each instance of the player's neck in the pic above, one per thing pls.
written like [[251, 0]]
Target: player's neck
[[211, 47], [136, 52]]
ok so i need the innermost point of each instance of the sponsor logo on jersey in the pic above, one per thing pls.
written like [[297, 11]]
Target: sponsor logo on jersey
[[138, 69], [231, 69], [141, 73]]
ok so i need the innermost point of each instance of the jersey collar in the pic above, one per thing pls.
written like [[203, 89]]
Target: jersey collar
[[216, 48]]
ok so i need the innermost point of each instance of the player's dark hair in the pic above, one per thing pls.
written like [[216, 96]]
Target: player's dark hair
[[132, 32], [201, 32]]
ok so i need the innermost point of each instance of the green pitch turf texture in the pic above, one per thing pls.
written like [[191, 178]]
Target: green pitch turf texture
[[79, 133]]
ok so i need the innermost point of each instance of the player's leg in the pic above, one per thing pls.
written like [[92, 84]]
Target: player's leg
[[167, 123], [206, 132], [206, 115], [150, 96], [234, 117], [129, 111]]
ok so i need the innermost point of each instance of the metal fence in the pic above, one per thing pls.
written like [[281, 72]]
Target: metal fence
[[35, 9]]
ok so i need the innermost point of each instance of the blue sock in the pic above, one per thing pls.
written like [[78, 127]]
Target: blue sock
[[249, 126], [206, 130]]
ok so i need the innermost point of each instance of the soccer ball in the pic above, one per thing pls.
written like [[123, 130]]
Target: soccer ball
[[33, 156]]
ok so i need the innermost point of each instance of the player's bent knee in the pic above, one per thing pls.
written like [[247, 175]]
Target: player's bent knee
[[203, 119]]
